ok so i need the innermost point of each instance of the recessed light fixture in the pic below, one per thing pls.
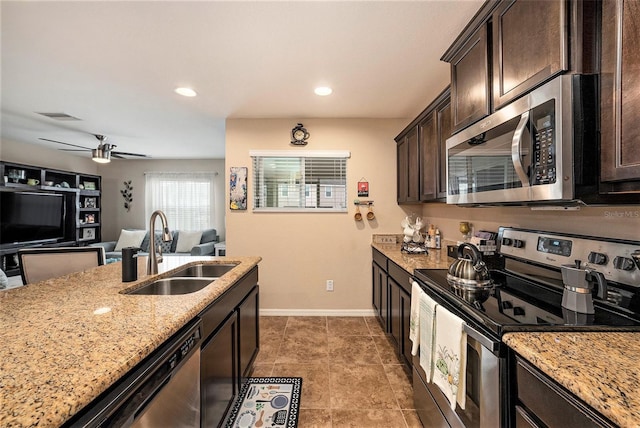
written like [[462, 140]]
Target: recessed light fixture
[[323, 91], [186, 92]]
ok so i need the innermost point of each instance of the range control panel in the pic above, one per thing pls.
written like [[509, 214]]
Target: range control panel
[[617, 260]]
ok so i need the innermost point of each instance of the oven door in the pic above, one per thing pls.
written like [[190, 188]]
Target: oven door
[[483, 405]]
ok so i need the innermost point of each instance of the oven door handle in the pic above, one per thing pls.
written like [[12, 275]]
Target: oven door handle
[[516, 149], [482, 339]]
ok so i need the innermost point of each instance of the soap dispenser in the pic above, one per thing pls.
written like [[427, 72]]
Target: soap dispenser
[[130, 264]]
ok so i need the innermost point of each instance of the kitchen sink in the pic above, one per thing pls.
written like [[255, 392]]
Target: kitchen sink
[[172, 286], [205, 271]]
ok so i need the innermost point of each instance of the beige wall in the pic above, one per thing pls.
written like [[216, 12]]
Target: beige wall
[[116, 217], [301, 251], [610, 221]]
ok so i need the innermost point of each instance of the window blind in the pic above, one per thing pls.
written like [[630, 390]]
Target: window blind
[[313, 183]]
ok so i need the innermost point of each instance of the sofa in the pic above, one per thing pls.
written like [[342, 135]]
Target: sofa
[[131, 237]]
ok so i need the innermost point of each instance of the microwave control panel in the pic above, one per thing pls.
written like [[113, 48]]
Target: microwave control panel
[[544, 150]]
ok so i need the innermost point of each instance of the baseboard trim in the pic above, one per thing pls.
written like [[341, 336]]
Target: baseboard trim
[[319, 312]]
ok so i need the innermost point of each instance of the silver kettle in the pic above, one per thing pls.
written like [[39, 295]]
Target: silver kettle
[[469, 271]]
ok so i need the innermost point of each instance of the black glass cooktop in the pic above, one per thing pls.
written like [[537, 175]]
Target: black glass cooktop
[[517, 304]]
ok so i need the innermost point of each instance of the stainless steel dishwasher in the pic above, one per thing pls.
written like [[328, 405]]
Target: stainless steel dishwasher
[[162, 391]]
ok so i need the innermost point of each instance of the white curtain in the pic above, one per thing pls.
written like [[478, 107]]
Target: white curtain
[[187, 198]]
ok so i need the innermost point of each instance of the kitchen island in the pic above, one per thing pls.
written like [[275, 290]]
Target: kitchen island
[[67, 340], [601, 369]]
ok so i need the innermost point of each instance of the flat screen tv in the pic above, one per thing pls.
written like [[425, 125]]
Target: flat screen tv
[[27, 217]]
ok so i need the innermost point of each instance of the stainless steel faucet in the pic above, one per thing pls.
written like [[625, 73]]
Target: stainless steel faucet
[[154, 259]]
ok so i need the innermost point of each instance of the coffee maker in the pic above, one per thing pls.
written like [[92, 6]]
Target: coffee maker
[[577, 295]]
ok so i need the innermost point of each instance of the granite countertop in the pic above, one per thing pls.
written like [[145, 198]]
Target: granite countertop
[[599, 368], [66, 340], [435, 259]]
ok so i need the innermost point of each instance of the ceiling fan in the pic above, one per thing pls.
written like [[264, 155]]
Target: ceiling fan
[[101, 154]]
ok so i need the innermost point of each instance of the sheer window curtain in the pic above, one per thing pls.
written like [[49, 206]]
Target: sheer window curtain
[[187, 198]]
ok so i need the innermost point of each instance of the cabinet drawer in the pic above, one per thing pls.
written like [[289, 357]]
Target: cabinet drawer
[[549, 403], [380, 259], [401, 276]]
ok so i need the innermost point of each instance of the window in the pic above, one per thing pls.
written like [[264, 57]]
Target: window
[[186, 198], [300, 181]]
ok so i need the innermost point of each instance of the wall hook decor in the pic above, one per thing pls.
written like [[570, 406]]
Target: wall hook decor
[[127, 194]]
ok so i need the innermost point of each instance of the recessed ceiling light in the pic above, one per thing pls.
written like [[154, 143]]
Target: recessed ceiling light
[[187, 92], [323, 91]]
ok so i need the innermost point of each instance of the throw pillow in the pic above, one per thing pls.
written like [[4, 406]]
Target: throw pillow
[[166, 246], [130, 238], [187, 240]]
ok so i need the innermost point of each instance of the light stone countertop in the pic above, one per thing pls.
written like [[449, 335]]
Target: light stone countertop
[[57, 355], [601, 369], [435, 259]]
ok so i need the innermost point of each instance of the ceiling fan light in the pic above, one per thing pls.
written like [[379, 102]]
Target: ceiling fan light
[[100, 156]]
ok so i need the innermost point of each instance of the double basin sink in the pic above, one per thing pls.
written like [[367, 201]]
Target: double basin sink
[[186, 280]]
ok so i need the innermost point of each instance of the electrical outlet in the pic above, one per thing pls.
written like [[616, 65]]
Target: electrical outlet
[[329, 284]]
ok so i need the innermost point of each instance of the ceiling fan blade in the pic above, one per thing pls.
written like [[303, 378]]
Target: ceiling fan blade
[[75, 150], [60, 142], [119, 154]]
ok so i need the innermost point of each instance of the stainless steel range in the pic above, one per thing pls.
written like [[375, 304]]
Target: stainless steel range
[[601, 291]]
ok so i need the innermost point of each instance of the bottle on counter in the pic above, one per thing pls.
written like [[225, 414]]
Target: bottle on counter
[[431, 236], [437, 239]]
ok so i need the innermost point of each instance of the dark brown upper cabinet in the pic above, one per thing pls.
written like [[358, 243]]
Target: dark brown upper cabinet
[[444, 129], [513, 46], [530, 45], [408, 168], [470, 80], [620, 96], [425, 173]]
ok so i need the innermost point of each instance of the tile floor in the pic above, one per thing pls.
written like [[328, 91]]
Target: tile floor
[[351, 375]]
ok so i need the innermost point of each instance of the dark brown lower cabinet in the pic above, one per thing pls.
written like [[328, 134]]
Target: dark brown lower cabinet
[[541, 402], [392, 303], [218, 373], [248, 332], [231, 334]]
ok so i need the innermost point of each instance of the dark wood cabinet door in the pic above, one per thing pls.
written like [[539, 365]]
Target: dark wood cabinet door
[[248, 332], [620, 95], [408, 167], [401, 170], [219, 380], [530, 44], [394, 311], [470, 84], [405, 324], [427, 132], [443, 121]]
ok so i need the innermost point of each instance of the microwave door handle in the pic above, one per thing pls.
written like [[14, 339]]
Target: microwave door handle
[[516, 149]]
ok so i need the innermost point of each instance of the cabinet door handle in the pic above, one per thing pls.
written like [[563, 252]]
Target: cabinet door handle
[[516, 149]]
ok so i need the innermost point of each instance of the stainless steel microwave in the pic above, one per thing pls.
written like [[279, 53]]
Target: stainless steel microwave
[[539, 149]]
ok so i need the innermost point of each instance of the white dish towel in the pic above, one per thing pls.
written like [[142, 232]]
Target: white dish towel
[[427, 333], [450, 359], [414, 319]]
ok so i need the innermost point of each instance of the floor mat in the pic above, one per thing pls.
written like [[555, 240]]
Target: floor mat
[[267, 402]]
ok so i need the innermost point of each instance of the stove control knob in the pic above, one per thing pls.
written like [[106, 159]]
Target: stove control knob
[[598, 258], [623, 263], [507, 241], [518, 243], [518, 310]]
